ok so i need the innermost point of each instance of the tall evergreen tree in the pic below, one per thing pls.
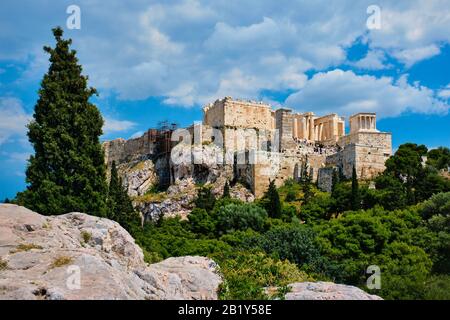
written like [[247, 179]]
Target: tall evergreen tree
[[334, 179], [226, 190], [120, 207], [205, 199], [272, 201], [355, 198], [67, 171]]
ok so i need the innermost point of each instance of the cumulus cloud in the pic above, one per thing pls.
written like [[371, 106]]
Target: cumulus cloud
[[345, 92], [445, 93], [190, 51], [114, 125], [411, 31], [374, 60], [411, 56], [13, 119]]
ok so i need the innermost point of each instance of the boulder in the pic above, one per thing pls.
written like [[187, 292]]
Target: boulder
[[326, 291], [76, 256]]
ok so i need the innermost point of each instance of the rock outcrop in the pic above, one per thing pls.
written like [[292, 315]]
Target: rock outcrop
[[326, 291], [77, 256], [138, 177]]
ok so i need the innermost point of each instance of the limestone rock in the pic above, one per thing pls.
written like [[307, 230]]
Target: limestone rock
[[327, 291], [138, 177], [41, 258], [177, 201]]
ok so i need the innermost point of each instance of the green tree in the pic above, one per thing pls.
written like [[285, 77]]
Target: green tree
[[295, 243], [272, 201], [205, 199], [244, 216], [120, 207], [67, 171], [226, 190], [439, 158], [390, 193], [355, 197], [201, 222], [335, 179]]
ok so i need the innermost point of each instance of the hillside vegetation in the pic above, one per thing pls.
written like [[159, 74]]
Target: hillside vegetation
[[298, 233]]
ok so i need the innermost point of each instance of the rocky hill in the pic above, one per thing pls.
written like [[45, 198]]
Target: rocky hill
[[41, 258], [77, 256]]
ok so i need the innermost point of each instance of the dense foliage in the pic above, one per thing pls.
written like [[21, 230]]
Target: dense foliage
[[298, 233]]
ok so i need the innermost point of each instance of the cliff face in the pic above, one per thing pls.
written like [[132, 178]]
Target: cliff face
[[142, 166], [77, 256]]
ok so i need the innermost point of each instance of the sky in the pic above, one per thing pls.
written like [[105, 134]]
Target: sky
[[163, 60]]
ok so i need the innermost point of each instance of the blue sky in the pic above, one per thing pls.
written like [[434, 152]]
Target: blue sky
[[163, 60]]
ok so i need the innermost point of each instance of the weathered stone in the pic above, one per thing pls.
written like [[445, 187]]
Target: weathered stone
[[43, 263], [326, 291], [138, 177]]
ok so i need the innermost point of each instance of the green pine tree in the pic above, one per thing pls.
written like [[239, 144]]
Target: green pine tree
[[67, 171], [205, 199], [334, 180], [355, 197], [226, 191], [120, 207], [272, 201]]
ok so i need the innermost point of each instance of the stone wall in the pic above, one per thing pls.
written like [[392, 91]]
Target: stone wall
[[238, 114], [121, 150]]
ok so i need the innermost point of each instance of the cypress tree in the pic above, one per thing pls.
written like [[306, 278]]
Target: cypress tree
[[355, 199], [273, 203], [226, 190], [67, 171], [205, 199], [120, 207], [335, 180]]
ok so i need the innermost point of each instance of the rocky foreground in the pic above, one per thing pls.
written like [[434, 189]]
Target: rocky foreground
[[41, 256], [77, 256]]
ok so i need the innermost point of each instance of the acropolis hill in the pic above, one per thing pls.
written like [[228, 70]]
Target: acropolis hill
[[256, 144]]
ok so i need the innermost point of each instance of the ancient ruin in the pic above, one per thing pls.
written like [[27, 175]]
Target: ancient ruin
[[250, 142]]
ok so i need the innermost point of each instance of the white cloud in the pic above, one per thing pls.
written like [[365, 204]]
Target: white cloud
[[411, 56], [412, 30], [114, 125], [374, 60], [445, 93], [13, 119], [188, 51], [345, 93]]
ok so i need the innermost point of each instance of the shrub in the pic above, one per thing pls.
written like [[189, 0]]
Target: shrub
[[61, 261], [295, 243], [3, 265], [205, 199], [201, 222], [234, 217], [86, 236], [439, 204], [247, 274], [25, 247]]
